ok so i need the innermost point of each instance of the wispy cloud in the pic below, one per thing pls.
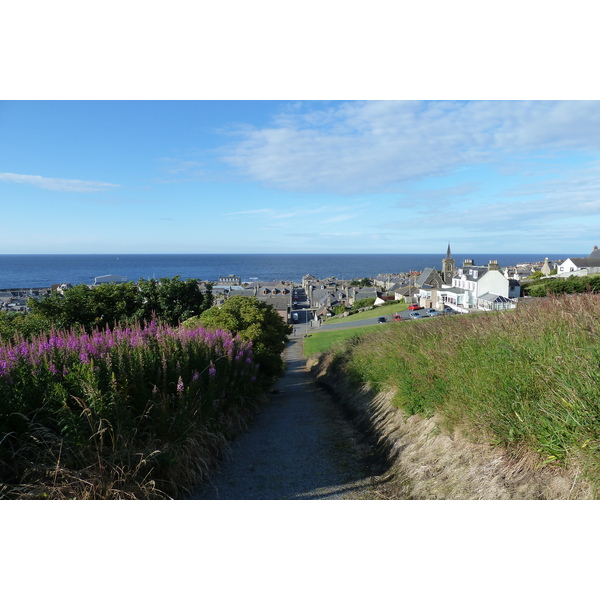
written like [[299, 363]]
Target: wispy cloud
[[258, 211], [280, 215], [527, 207], [361, 147], [58, 185], [339, 218]]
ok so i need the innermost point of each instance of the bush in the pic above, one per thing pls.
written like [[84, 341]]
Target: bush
[[364, 302], [254, 321]]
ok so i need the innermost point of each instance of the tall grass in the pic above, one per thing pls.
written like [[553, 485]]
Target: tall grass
[[129, 412], [528, 379]]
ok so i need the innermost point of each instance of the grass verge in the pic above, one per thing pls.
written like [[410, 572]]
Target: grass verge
[[323, 341], [526, 380], [379, 311]]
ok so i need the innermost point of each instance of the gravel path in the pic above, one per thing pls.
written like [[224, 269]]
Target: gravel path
[[299, 447]]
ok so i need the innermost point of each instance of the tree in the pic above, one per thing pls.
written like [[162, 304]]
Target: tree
[[172, 300], [364, 282], [168, 300], [82, 306], [252, 320]]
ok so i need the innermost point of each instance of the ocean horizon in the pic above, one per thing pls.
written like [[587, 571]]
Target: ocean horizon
[[45, 270]]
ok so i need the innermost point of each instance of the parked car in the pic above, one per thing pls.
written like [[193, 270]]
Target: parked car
[[416, 315], [397, 317], [382, 320], [414, 307], [295, 318], [431, 312], [448, 311]]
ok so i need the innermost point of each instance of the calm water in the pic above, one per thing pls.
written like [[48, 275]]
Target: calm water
[[41, 270]]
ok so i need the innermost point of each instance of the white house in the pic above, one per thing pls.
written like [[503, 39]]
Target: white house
[[580, 266], [485, 288]]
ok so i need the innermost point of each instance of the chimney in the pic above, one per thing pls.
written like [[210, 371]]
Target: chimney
[[468, 262], [493, 265]]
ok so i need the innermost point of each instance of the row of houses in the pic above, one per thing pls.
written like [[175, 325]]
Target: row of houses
[[488, 287]]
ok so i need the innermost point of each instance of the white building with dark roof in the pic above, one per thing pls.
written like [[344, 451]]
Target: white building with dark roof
[[580, 267]]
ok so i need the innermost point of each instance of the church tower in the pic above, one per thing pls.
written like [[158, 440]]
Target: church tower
[[448, 267]]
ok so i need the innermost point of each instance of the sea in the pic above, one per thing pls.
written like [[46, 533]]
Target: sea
[[44, 270]]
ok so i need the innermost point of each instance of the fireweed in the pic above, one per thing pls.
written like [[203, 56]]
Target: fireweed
[[149, 387]]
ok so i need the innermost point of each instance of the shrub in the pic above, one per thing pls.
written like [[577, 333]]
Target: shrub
[[251, 320]]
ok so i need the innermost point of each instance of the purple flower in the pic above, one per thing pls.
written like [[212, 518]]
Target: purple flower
[[212, 371], [180, 386]]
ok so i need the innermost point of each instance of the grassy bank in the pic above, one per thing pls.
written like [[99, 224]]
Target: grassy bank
[[527, 380], [323, 341], [379, 311]]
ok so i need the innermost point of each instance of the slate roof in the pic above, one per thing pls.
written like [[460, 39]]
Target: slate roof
[[246, 292], [468, 273], [583, 263], [427, 276], [408, 290], [279, 303]]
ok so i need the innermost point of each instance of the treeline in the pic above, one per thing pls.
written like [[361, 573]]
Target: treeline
[[168, 300], [541, 288]]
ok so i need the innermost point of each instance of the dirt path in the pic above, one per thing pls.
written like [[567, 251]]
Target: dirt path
[[300, 447]]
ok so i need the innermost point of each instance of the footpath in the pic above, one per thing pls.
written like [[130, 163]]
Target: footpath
[[300, 447]]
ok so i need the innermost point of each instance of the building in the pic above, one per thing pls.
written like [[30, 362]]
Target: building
[[580, 267], [109, 279], [481, 287], [448, 267], [230, 280]]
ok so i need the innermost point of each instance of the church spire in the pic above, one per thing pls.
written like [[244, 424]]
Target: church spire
[[448, 267]]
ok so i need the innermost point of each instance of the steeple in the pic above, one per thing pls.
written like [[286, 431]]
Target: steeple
[[448, 267]]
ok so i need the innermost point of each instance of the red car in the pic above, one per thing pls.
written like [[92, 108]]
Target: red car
[[397, 318], [414, 307]]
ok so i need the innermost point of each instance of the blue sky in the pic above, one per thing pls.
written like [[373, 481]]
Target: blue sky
[[307, 176]]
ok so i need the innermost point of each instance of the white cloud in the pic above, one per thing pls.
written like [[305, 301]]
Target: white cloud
[[258, 211], [358, 147], [552, 203], [58, 185]]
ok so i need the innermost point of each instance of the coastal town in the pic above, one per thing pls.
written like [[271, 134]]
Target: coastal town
[[455, 288]]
